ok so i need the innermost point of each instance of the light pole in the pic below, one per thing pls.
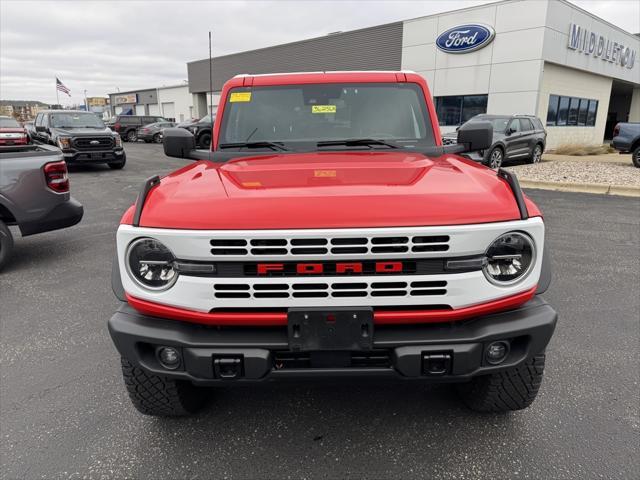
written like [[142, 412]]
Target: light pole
[[86, 103]]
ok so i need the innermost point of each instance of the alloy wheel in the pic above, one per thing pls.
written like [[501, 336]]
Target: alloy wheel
[[495, 161]]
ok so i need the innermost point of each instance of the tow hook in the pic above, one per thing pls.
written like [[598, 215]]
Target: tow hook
[[227, 368], [436, 364]]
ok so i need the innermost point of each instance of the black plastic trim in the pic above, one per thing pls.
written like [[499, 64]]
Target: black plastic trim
[[142, 197], [513, 183], [116, 280], [63, 215]]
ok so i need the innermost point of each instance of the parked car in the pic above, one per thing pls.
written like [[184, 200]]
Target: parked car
[[201, 130], [515, 137], [327, 232], [626, 139], [34, 193], [127, 125], [82, 136], [12, 133], [153, 131]]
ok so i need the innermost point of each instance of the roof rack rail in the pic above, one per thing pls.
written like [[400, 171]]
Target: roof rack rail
[[142, 197], [513, 183]]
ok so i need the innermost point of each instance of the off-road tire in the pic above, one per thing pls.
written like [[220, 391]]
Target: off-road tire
[[132, 136], [6, 244], [492, 160], [161, 396], [204, 140], [635, 157], [118, 165], [505, 391]]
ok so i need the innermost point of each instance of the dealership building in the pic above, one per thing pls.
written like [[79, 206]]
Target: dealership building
[[577, 72], [172, 102]]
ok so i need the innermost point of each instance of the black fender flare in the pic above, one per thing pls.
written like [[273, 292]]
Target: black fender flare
[[116, 280], [545, 273]]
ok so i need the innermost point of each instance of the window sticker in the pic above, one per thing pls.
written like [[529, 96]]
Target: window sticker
[[323, 109], [240, 97]]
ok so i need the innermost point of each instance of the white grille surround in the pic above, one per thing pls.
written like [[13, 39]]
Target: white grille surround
[[460, 289]]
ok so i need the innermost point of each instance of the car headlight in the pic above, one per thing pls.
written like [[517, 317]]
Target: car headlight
[[64, 142], [192, 129], [118, 141], [151, 264], [509, 258]]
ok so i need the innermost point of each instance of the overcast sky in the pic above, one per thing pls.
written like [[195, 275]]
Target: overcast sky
[[102, 46]]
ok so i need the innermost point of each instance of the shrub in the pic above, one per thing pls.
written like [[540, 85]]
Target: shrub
[[580, 150]]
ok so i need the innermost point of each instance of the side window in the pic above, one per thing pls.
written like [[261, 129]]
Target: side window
[[525, 125], [38, 121], [45, 120], [515, 126]]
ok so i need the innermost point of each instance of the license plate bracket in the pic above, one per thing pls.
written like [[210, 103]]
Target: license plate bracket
[[316, 329]]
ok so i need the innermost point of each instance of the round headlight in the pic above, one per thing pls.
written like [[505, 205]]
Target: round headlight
[[509, 258], [150, 264]]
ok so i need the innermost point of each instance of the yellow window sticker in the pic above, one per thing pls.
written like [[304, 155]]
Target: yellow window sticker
[[324, 173], [323, 109], [240, 97]]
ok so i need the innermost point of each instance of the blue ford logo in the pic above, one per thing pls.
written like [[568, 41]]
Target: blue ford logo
[[465, 38]]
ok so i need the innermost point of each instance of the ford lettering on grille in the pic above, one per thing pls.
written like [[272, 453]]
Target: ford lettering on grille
[[339, 268]]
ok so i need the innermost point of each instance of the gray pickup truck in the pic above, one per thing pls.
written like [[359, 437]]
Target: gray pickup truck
[[626, 138], [34, 193]]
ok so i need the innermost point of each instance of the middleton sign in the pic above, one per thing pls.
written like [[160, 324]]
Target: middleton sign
[[465, 38], [592, 43]]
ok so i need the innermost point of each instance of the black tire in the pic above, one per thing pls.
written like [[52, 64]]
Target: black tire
[[118, 165], [157, 138], [132, 136], [204, 140], [6, 244], [635, 157], [536, 154], [161, 396], [495, 158], [505, 391]]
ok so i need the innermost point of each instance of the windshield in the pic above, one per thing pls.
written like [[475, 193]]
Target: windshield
[[499, 123], [76, 120], [206, 119], [9, 123], [295, 115]]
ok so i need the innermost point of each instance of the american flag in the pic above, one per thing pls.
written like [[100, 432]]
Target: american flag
[[61, 86]]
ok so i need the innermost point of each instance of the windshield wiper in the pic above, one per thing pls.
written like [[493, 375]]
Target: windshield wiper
[[262, 144], [355, 142]]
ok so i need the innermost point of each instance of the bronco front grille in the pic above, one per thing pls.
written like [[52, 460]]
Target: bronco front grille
[[354, 289], [93, 143], [339, 246]]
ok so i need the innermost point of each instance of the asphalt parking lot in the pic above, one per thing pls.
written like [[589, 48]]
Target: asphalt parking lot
[[64, 411]]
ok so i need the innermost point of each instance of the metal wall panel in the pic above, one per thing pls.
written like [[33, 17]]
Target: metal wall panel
[[375, 48]]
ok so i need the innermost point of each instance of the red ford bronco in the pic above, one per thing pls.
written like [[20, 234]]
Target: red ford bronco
[[329, 233]]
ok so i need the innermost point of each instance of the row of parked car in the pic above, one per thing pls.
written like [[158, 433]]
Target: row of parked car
[[149, 128]]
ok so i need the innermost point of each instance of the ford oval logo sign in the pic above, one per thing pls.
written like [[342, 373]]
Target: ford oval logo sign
[[465, 38]]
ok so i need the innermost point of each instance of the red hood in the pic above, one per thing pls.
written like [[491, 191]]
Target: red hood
[[329, 190]]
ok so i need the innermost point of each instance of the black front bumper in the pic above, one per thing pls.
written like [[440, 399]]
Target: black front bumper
[[63, 215], [100, 156], [404, 351]]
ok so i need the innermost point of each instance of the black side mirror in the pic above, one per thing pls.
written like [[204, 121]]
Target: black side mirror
[[41, 128], [476, 136], [178, 142]]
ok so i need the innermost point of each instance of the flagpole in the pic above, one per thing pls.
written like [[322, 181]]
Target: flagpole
[[57, 93]]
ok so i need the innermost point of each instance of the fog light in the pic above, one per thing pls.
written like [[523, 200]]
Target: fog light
[[169, 357], [497, 352]]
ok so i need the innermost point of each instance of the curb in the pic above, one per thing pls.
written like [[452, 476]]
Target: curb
[[597, 188]]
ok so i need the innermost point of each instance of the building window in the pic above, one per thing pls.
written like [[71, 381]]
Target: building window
[[455, 110], [552, 112], [571, 111]]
